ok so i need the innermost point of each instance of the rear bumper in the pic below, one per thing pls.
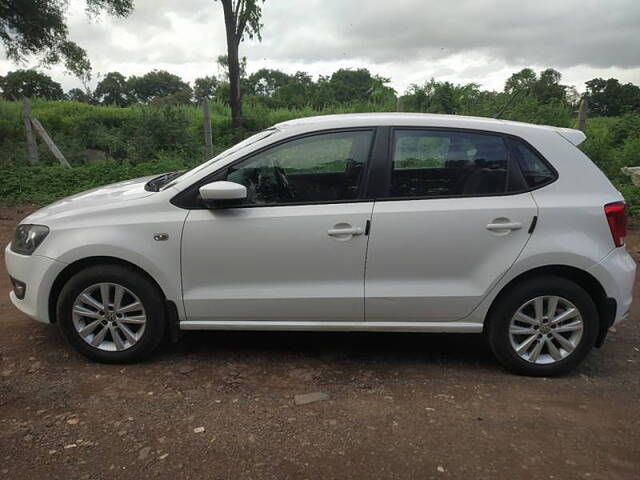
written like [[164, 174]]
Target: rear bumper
[[38, 274], [616, 273]]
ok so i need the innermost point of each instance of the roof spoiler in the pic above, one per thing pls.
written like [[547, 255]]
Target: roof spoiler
[[571, 135]]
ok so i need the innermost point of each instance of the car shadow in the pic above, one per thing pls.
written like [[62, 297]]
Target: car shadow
[[399, 348]]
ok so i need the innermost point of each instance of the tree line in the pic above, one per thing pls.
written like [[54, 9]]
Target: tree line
[[277, 89]]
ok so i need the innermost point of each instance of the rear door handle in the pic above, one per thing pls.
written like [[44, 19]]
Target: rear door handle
[[339, 232], [504, 226]]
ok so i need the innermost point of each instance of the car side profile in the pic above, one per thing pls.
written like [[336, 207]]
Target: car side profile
[[359, 222]]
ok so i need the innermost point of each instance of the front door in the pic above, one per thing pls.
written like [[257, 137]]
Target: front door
[[295, 250], [450, 225]]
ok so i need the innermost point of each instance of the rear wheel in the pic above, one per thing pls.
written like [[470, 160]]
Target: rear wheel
[[111, 313], [543, 326]]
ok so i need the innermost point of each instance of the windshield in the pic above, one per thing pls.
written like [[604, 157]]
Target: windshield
[[236, 148]]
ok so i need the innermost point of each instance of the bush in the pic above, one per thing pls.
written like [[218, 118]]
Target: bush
[[47, 183], [613, 143], [146, 140]]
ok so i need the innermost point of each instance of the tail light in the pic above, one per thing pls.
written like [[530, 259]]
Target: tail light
[[617, 217]]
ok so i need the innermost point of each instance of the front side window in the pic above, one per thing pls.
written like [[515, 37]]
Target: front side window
[[320, 168], [439, 163]]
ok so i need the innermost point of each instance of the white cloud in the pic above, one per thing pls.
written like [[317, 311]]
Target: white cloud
[[483, 41]]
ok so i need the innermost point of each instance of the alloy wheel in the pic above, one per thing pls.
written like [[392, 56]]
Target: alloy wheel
[[546, 329], [109, 317]]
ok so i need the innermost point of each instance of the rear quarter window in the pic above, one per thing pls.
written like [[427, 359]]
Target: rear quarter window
[[535, 170]]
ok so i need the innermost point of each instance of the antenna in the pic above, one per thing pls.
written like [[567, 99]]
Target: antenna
[[509, 102]]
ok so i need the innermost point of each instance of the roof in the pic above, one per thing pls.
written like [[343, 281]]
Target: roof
[[423, 120]]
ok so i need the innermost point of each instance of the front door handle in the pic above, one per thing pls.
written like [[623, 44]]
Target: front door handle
[[499, 226], [344, 231]]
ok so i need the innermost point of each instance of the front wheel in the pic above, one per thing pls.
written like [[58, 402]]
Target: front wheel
[[544, 326], [111, 314]]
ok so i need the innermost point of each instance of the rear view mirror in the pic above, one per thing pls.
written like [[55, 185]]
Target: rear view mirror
[[223, 192]]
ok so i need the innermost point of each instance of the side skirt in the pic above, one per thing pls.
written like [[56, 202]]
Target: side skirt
[[434, 327]]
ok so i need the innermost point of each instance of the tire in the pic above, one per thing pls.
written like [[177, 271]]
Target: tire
[[145, 321], [504, 337]]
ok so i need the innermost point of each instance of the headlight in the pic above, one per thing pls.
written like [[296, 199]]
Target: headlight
[[28, 237]]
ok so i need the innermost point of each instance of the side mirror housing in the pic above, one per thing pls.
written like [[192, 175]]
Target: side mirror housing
[[222, 193]]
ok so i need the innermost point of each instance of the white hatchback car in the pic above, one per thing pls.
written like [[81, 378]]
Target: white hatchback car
[[369, 222]]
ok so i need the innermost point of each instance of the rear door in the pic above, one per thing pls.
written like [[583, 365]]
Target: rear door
[[449, 223]]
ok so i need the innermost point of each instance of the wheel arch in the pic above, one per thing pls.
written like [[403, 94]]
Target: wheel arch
[[606, 306], [83, 263]]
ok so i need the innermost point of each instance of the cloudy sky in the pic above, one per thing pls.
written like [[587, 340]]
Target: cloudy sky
[[481, 41]]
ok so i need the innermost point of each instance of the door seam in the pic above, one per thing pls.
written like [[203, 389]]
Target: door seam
[[366, 259]]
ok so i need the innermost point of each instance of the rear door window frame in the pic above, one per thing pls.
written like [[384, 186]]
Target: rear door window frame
[[379, 185]]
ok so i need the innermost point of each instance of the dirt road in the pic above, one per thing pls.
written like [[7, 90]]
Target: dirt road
[[221, 405]]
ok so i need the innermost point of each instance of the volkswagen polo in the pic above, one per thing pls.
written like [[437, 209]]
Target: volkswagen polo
[[367, 222]]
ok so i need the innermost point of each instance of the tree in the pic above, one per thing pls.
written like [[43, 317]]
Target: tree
[[522, 80], [611, 98], [241, 19], [38, 27], [157, 84], [380, 91], [441, 97], [351, 85], [322, 94], [30, 84], [223, 63], [205, 87], [296, 92], [79, 95], [546, 87], [266, 81], [113, 89]]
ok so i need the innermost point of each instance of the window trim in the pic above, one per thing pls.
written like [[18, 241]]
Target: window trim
[[185, 199], [385, 182]]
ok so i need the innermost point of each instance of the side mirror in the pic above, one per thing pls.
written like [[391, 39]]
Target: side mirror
[[224, 192]]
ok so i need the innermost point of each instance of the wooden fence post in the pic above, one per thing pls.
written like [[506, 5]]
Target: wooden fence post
[[32, 146], [583, 110], [208, 136], [49, 143]]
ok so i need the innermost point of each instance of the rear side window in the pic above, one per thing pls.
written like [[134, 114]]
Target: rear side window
[[535, 171], [428, 163]]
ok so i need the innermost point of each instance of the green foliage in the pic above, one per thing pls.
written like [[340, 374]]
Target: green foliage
[[47, 183], [31, 84], [265, 82], [614, 143], [114, 90], [205, 87], [351, 85], [546, 87], [78, 95], [611, 98], [38, 27], [143, 140], [158, 84]]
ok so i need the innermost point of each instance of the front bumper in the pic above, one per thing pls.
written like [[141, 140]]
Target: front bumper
[[38, 274], [617, 273]]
